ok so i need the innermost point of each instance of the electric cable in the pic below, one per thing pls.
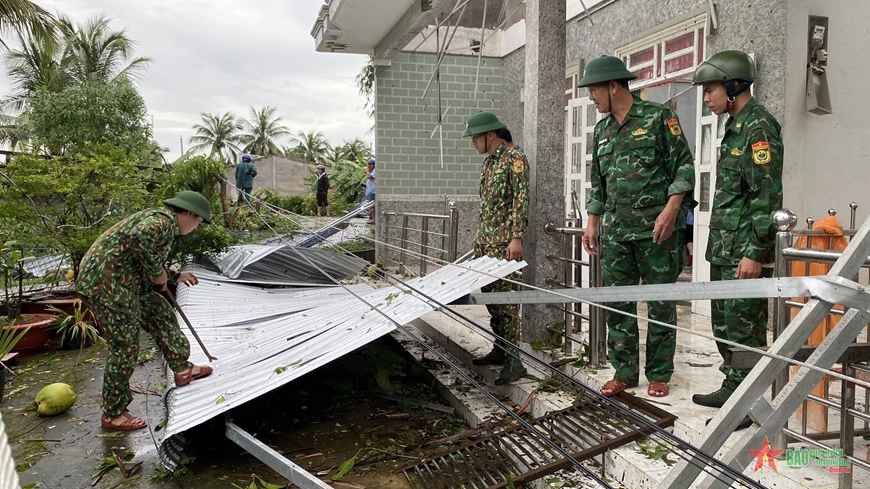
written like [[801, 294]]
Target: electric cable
[[480, 388]]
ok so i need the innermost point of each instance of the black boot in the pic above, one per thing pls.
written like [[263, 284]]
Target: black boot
[[513, 370], [495, 357]]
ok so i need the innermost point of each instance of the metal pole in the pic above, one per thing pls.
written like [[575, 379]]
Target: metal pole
[[785, 221], [567, 240], [847, 423], [171, 298], [597, 321], [404, 243], [854, 207], [424, 245], [454, 233]]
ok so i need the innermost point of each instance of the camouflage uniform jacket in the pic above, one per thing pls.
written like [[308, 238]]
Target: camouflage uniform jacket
[[504, 198], [636, 167], [748, 188], [123, 260]]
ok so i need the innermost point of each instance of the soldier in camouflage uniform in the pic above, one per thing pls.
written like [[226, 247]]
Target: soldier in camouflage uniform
[[642, 178], [748, 192], [121, 278], [504, 211]]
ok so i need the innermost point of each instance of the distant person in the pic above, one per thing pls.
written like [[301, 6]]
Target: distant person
[[370, 188], [245, 174], [322, 189]]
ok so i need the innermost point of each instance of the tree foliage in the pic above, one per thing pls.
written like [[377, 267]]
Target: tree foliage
[[309, 147], [69, 54], [90, 114], [261, 131], [218, 135], [23, 16], [71, 201]]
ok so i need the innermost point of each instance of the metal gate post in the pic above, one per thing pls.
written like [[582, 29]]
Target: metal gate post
[[424, 244], [567, 269], [785, 221], [597, 321], [453, 241], [404, 244]]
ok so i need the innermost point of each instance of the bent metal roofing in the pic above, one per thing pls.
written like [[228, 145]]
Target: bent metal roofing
[[265, 338]]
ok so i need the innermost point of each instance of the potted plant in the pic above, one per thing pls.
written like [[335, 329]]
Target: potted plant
[[9, 338], [75, 329], [12, 272]]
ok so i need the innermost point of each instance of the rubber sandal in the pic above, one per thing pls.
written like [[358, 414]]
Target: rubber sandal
[[655, 387], [131, 423], [614, 387], [191, 374]]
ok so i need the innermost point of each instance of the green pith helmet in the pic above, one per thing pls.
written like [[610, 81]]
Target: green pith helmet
[[192, 201], [724, 67], [603, 69], [482, 122]]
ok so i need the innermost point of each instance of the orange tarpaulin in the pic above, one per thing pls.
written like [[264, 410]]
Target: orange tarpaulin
[[817, 414]]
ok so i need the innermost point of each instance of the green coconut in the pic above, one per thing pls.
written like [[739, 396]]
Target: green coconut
[[54, 399]]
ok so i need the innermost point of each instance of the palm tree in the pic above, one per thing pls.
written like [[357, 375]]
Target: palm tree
[[357, 150], [219, 135], [263, 128], [334, 154], [39, 63], [98, 53], [23, 16], [54, 60], [310, 147]]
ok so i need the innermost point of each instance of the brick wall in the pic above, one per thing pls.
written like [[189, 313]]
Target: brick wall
[[410, 175]]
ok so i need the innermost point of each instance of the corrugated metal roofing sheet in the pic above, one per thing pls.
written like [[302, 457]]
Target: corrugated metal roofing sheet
[[266, 338], [285, 265]]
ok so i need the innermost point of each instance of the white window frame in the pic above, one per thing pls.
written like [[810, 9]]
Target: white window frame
[[659, 40]]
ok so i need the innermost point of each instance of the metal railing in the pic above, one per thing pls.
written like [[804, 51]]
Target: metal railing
[[448, 234], [573, 272], [788, 255]]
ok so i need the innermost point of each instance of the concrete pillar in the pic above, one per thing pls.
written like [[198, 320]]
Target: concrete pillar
[[544, 144]]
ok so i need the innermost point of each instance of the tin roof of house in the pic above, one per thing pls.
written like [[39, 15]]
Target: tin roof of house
[[264, 338]]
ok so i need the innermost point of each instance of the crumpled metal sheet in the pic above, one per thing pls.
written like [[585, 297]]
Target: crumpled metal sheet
[[259, 264], [269, 337]]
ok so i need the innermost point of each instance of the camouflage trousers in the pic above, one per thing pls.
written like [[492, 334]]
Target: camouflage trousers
[[629, 263], [505, 318], [742, 321], [120, 326]]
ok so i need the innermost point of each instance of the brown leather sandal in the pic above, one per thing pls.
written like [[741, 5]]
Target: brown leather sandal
[[614, 387], [130, 423], [655, 387], [195, 372]]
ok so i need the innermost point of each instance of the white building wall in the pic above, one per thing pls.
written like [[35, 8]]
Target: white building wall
[[832, 151]]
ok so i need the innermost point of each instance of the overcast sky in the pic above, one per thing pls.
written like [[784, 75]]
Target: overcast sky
[[223, 55]]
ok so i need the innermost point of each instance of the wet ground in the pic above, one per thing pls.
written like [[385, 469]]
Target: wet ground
[[320, 421]]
